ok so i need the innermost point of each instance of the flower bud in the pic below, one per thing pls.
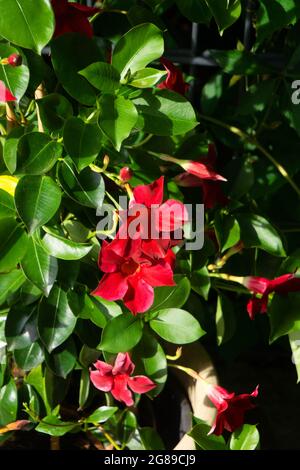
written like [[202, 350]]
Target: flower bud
[[125, 174], [15, 60]]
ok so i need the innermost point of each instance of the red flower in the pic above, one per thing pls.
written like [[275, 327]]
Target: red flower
[[5, 94], [125, 174], [130, 275], [231, 408], [72, 18], [118, 379], [261, 285], [15, 60], [153, 220], [174, 80]]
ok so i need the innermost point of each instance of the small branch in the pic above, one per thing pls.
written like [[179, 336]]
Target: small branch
[[11, 118], [38, 94]]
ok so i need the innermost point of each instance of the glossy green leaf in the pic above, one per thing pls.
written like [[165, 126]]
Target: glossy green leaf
[[240, 62], [163, 112], [273, 15], [84, 387], [62, 360], [121, 333], [16, 79], [207, 442], [56, 321], [196, 11], [56, 389], [102, 76], [10, 148], [102, 414], [227, 231], [245, 438], [225, 319], [176, 326], [54, 426], [37, 153], [284, 313], [117, 118], [258, 232], [37, 199], [174, 296], [146, 78], [82, 141], [137, 48], [8, 403], [86, 187], [21, 25], [71, 53], [10, 283], [63, 248], [225, 12], [7, 206], [20, 326], [294, 339], [29, 357], [13, 244], [200, 282], [40, 268], [54, 110]]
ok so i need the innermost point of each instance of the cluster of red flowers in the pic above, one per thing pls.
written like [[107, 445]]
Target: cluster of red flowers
[[133, 266]]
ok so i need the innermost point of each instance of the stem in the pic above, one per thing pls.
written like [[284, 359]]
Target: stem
[[228, 277], [252, 140], [11, 118], [38, 94], [140, 144], [2, 129], [192, 373], [109, 438], [54, 443]]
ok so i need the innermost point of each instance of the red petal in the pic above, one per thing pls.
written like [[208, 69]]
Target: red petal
[[112, 287], [5, 94], [186, 180], [256, 306], [141, 384], [159, 274], [174, 80], [102, 382], [202, 171], [123, 364], [150, 194], [284, 284], [120, 390], [139, 296], [259, 285], [103, 367], [171, 216]]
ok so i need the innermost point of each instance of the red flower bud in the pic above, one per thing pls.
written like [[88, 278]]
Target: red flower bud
[[125, 174], [15, 60]]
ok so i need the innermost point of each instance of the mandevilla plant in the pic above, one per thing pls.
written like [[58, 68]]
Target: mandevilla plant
[[134, 220]]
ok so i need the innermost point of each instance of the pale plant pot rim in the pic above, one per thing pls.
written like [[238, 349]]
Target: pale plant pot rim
[[195, 357]]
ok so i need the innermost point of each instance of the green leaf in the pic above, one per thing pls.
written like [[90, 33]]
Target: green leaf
[[7, 206], [20, 327], [107, 308], [62, 360], [10, 283], [63, 248], [257, 232], [121, 333], [164, 112], [151, 361], [29, 357], [13, 244], [71, 53], [54, 426], [129, 425], [137, 48], [225, 13], [27, 24], [212, 442], [176, 326], [10, 148], [102, 76], [146, 78], [36, 379], [82, 141], [86, 187], [40, 268], [273, 15], [200, 282], [195, 10], [37, 199], [294, 339], [245, 438], [37, 153], [8, 403], [284, 313], [54, 110], [117, 118], [174, 296], [227, 231], [240, 62], [151, 439], [225, 319], [56, 321], [102, 414], [16, 79], [84, 387]]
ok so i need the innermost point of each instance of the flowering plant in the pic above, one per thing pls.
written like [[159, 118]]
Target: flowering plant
[[132, 220]]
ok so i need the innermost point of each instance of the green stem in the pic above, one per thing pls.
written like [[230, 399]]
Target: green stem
[[252, 140], [140, 144]]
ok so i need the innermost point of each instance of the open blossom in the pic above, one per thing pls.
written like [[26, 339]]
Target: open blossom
[[118, 379], [130, 275], [5, 94], [72, 18], [231, 408], [263, 286], [174, 80], [153, 221]]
